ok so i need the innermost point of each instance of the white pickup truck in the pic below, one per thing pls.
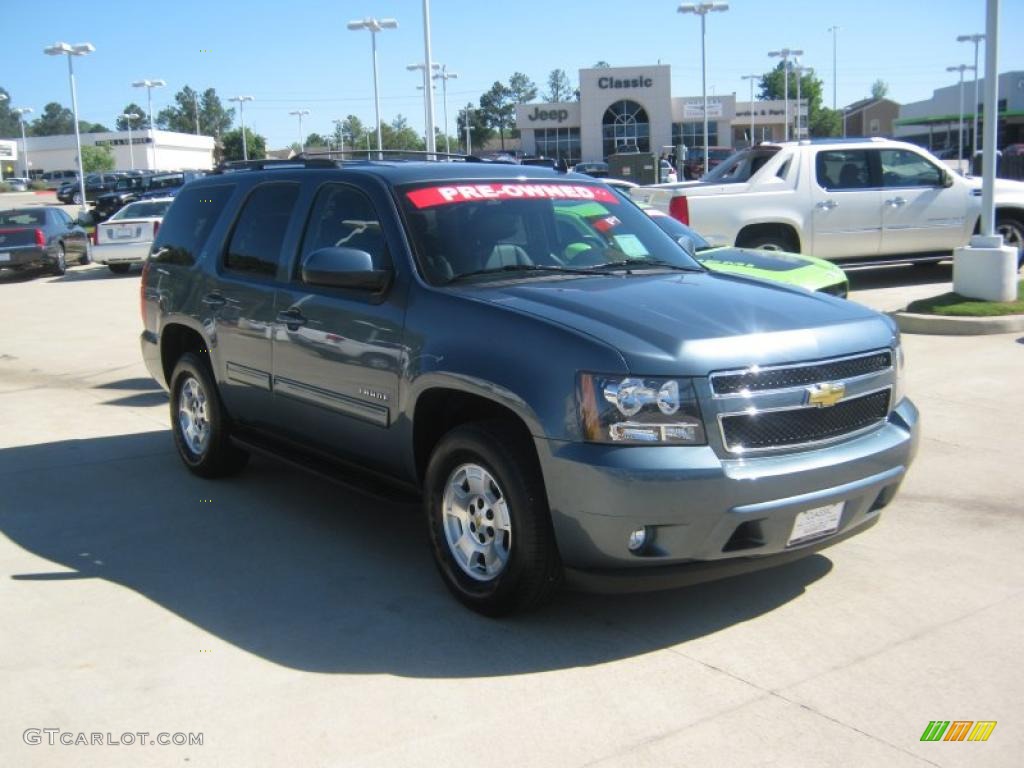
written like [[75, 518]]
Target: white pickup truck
[[842, 199]]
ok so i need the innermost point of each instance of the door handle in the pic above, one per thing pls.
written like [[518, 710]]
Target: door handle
[[896, 202], [214, 300], [827, 205], [292, 318]]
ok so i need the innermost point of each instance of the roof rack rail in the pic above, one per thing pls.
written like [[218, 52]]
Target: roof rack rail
[[389, 154], [230, 166]]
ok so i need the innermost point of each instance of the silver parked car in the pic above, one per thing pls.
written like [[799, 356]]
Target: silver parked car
[[124, 239]]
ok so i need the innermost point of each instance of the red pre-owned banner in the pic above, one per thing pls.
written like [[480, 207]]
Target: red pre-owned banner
[[428, 197]]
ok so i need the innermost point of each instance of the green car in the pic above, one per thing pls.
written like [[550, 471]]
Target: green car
[[792, 268]]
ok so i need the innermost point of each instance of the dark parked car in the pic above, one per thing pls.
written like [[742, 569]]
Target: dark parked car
[[591, 405], [96, 184], [693, 168], [596, 169], [127, 190], [168, 184], [41, 237]]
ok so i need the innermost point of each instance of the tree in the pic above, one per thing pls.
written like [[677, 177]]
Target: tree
[[141, 121], [316, 140], [480, 131], [399, 135], [559, 87], [232, 145], [879, 89], [354, 132], [497, 108], [522, 88], [602, 65], [84, 126], [819, 121], [97, 159], [9, 125], [214, 120], [55, 120]]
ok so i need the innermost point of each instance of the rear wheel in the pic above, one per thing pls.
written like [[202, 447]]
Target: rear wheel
[[77, 198], [1012, 231], [488, 519], [199, 423], [769, 241], [119, 269], [60, 266]]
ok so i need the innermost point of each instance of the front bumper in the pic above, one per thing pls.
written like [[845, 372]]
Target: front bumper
[[711, 517], [120, 253]]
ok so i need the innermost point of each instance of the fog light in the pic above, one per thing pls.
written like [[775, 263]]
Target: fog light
[[637, 539]]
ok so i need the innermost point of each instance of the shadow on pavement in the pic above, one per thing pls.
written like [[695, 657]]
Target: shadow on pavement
[[91, 272], [139, 383], [311, 576], [140, 400], [866, 278]]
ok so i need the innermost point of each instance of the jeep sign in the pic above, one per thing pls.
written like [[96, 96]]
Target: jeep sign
[[558, 115]]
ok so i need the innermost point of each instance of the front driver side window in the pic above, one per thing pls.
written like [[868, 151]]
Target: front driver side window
[[901, 168], [344, 217]]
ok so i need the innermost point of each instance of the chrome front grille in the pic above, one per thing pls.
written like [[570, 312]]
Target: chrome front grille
[[803, 425], [799, 375]]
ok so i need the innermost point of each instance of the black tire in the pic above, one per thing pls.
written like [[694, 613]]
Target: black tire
[[778, 241], [533, 570], [76, 198], [120, 269], [60, 266], [1012, 230], [219, 457]]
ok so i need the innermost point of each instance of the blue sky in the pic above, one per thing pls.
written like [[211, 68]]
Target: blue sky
[[300, 55]]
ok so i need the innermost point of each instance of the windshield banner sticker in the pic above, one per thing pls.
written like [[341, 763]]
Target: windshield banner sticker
[[429, 197]]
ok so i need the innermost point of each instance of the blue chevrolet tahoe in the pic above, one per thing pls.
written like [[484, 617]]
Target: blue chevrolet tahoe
[[589, 406]]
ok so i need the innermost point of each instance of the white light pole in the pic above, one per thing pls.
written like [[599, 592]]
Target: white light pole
[[976, 39], [426, 120], [241, 119], [195, 102], [374, 26], [149, 85], [341, 135], [78, 49], [784, 54], [835, 76], [128, 117], [302, 141], [961, 68], [444, 76], [428, 93], [21, 112], [469, 128], [702, 10], [3, 97], [799, 107], [751, 78]]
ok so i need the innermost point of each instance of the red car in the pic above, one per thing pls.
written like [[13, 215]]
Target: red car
[[694, 166]]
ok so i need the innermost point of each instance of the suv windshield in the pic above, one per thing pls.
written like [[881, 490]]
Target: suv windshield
[[740, 166], [531, 229]]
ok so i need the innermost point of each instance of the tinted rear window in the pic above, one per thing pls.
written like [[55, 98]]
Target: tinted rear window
[[22, 218], [188, 224]]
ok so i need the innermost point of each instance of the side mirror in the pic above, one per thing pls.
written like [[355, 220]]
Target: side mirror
[[344, 268], [688, 245], [947, 179]]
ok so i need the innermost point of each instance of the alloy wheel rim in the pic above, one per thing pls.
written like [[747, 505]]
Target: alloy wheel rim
[[194, 416], [476, 521]]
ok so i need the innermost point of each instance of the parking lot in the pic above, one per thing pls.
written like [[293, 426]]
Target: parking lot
[[292, 622]]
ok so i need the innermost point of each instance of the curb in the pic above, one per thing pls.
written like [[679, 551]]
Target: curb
[[939, 325]]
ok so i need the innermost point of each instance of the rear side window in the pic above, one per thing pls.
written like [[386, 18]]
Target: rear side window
[[255, 247], [344, 217], [843, 169], [188, 224]]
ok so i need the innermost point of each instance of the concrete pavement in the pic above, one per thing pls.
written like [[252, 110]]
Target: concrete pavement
[[280, 617]]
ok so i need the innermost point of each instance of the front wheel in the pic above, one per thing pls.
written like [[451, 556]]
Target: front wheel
[[1012, 231], [488, 519], [199, 423]]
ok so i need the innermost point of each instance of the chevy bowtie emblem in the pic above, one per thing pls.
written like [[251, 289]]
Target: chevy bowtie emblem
[[825, 395]]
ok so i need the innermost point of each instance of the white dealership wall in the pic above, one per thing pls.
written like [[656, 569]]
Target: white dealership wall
[[174, 151], [651, 88]]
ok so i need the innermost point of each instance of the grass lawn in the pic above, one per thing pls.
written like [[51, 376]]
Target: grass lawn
[[953, 304]]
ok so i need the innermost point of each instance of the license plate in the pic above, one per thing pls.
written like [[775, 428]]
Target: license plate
[[814, 523], [5, 257], [123, 233]]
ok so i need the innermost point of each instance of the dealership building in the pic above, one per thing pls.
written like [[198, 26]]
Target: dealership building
[[157, 150], [633, 109]]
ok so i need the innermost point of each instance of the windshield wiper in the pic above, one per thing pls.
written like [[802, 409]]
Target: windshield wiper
[[629, 264], [526, 268]]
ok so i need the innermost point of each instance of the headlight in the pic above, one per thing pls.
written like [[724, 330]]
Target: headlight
[[898, 391], [635, 409]]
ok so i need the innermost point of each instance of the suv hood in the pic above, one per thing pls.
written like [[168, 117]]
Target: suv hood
[[1007, 187], [691, 324]]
